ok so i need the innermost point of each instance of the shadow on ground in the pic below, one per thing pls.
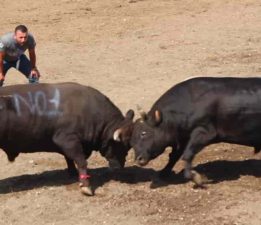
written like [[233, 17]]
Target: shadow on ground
[[223, 170], [216, 171], [99, 177]]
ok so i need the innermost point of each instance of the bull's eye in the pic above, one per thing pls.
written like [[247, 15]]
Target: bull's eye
[[143, 134]]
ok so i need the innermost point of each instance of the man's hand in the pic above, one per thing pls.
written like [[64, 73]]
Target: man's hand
[[2, 79], [35, 73], [34, 76]]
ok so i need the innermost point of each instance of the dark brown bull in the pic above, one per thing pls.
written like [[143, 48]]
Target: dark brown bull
[[196, 113], [66, 118]]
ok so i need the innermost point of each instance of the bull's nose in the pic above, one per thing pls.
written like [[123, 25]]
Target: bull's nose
[[141, 161]]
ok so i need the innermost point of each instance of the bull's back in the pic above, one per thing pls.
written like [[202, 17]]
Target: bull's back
[[190, 93], [233, 105], [32, 113]]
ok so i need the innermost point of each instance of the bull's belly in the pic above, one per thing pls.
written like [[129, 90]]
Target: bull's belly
[[29, 146], [252, 141], [247, 132]]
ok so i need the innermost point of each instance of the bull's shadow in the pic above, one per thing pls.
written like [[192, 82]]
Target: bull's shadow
[[33, 181], [222, 170], [53, 178], [216, 172]]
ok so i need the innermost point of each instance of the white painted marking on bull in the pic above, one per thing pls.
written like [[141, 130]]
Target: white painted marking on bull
[[38, 103], [56, 99], [18, 98], [56, 102]]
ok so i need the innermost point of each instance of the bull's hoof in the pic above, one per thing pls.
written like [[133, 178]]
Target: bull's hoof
[[87, 191], [197, 179]]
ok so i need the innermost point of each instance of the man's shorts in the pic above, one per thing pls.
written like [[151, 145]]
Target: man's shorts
[[23, 65]]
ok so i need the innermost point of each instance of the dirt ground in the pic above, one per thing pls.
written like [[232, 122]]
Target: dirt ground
[[133, 51]]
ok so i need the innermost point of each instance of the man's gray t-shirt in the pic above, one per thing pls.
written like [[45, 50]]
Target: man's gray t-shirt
[[12, 49]]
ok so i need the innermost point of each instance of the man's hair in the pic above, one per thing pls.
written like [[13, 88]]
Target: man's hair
[[21, 28]]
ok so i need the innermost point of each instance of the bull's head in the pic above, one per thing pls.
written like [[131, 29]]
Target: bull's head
[[120, 144], [148, 138]]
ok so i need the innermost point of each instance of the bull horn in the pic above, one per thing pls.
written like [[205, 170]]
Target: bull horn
[[117, 135], [142, 113], [157, 116]]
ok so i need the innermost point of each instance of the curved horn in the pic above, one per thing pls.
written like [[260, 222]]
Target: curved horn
[[157, 116], [117, 135]]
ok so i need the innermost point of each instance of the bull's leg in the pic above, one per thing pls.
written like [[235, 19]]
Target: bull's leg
[[199, 138], [72, 149], [71, 167], [11, 154], [174, 156]]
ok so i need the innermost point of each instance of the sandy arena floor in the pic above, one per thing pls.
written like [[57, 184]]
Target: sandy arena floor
[[133, 51]]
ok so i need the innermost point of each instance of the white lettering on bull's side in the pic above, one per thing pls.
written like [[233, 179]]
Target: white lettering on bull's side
[[2, 104], [56, 100], [38, 103], [18, 99]]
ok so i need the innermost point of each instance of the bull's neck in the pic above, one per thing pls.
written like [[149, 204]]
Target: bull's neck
[[109, 128], [170, 131]]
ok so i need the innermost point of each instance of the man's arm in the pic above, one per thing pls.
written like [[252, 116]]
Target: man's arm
[[2, 54], [32, 57]]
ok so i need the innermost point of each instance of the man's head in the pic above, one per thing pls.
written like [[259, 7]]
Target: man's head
[[21, 34]]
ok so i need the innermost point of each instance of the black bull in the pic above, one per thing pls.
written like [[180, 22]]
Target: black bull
[[66, 118], [196, 113]]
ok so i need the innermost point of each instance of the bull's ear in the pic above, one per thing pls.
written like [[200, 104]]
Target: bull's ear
[[156, 118], [143, 114], [130, 114], [117, 135]]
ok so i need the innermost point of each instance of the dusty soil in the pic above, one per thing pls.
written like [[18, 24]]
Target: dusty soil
[[133, 51]]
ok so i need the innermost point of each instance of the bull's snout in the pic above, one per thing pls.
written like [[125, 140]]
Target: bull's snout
[[141, 161]]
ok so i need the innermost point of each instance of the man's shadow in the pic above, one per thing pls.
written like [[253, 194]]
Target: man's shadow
[[216, 171]]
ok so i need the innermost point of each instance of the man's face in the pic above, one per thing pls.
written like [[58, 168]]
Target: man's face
[[20, 37]]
